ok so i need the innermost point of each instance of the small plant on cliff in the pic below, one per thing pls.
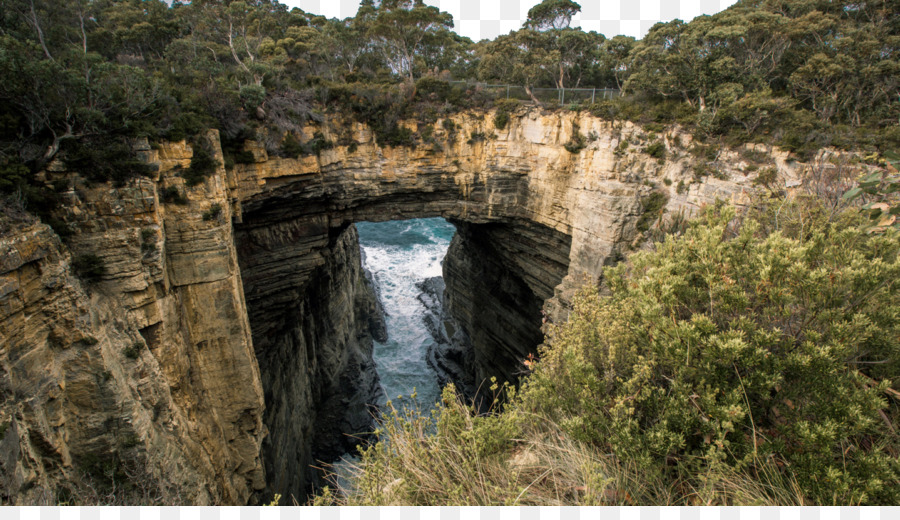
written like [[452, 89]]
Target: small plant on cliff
[[148, 240], [213, 213], [319, 143], [89, 267], [133, 351], [504, 109], [290, 145], [656, 149], [173, 195], [653, 207], [203, 164], [577, 142]]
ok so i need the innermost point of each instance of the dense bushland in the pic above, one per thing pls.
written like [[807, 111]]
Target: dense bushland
[[82, 79], [753, 359]]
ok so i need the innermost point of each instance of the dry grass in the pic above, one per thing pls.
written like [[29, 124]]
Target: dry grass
[[538, 465]]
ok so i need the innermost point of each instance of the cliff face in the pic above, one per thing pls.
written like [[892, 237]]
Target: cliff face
[[313, 341], [150, 367], [228, 344]]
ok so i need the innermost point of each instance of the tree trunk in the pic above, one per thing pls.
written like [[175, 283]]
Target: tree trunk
[[233, 51], [533, 98], [40, 33]]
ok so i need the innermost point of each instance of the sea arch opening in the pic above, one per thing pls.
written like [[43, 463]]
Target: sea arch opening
[[314, 312]]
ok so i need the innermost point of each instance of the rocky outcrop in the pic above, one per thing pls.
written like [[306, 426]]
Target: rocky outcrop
[[498, 277], [151, 365], [313, 343], [451, 356], [227, 345]]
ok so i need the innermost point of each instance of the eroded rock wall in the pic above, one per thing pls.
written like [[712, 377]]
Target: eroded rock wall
[[156, 362], [150, 366], [313, 337], [498, 277]]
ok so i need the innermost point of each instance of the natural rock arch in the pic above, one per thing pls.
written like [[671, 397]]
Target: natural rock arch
[[535, 221], [246, 297]]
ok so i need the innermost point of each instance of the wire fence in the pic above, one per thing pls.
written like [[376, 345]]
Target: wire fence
[[561, 96]]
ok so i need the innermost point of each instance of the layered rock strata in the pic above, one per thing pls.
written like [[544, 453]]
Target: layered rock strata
[[155, 361], [498, 277], [452, 355], [150, 366], [313, 337]]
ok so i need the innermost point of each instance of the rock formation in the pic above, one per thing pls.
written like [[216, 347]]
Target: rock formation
[[227, 346]]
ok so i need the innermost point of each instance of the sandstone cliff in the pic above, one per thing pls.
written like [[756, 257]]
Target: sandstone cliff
[[228, 344]]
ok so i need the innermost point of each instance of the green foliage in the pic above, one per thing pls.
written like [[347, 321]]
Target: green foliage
[[103, 160], [133, 351], [13, 176], [726, 347], [881, 190], [213, 213], [318, 143], [552, 14], [433, 88], [290, 145], [577, 142], [656, 149], [173, 195], [504, 109], [88, 341], [478, 137], [89, 267], [203, 164], [653, 205], [252, 96]]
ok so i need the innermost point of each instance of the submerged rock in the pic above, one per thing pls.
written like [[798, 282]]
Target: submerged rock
[[451, 356]]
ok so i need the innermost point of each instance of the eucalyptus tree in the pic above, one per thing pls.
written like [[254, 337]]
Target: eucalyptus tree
[[406, 30]]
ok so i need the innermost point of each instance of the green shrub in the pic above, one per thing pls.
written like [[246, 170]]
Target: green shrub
[[133, 351], [577, 142], [89, 267], [429, 87], [318, 143], [477, 137], [656, 149], [290, 145], [504, 109], [88, 341], [735, 345], [203, 164], [252, 96], [653, 205], [244, 157], [101, 160], [213, 212], [173, 194]]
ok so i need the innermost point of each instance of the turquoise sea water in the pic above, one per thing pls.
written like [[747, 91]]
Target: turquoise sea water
[[399, 254]]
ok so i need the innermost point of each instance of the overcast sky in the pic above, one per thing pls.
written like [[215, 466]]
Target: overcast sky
[[479, 19]]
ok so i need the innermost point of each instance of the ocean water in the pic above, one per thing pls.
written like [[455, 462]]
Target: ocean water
[[400, 254]]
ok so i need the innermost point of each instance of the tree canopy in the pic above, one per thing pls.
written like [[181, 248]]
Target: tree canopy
[[799, 73]]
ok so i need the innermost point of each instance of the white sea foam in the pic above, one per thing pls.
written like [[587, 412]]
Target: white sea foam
[[396, 268]]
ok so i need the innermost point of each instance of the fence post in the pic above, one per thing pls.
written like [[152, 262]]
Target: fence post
[[563, 94], [593, 93], [507, 92]]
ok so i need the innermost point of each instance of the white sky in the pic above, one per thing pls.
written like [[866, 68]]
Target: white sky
[[479, 19]]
